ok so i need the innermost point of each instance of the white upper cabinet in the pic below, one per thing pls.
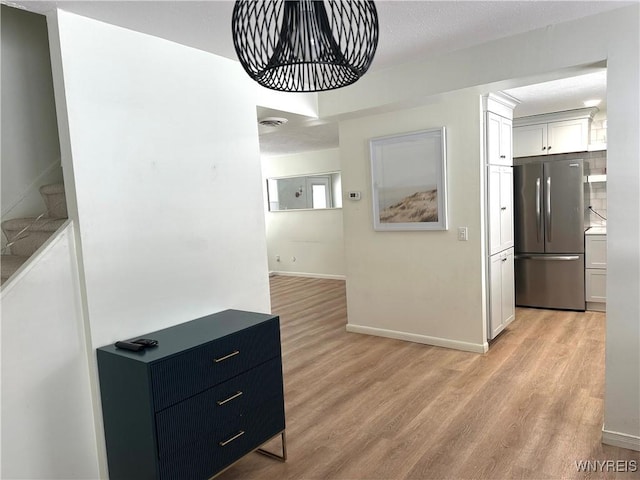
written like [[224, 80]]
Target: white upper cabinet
[[561, 132], [499, 131], [530, 140], [568, 136]]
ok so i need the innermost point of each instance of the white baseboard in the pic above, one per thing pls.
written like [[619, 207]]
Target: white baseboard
[[622, 440], [308, 275], [424, 339], [596, 306]]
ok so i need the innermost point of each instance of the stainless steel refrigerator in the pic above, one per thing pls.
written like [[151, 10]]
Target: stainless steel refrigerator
[[549, 234]]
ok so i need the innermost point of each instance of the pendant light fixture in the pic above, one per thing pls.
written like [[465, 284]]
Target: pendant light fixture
[[305, 45]]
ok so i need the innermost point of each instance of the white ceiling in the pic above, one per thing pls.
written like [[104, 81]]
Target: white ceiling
[[409, 31]]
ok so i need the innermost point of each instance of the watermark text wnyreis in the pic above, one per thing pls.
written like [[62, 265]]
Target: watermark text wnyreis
[[600, 466]]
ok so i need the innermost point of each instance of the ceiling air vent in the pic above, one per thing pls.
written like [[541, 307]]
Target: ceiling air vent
[[272, 121]]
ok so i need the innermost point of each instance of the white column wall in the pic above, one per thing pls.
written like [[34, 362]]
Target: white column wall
[[622, 367]]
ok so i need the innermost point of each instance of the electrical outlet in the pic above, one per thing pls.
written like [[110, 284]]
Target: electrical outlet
[[463, 234]]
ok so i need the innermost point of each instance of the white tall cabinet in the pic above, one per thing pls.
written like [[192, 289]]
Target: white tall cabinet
[[499, 212]]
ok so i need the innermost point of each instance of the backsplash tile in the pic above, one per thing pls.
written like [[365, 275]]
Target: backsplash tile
[[596, 193]]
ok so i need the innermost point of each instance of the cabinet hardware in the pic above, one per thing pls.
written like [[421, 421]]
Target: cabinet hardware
[[503, 156], [549, 147], [504, 259], [544, 148], [538, 210], [235, 437], [548, 212], [235, 395], [226, 357], [503, 208]]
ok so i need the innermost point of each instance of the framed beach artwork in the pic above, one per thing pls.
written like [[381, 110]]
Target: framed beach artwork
[[409, 181]]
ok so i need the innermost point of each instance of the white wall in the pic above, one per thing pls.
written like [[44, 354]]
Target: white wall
[[47, 413], [410, 284], [161, 156], [313, 237], [622, 373], [516, 61], [30, 148], [168, 189]]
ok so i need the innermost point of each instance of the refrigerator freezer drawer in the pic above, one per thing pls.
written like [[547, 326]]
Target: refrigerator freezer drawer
[[550, 281]]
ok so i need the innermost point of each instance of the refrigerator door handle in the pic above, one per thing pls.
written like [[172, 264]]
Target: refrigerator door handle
[[547, 257], [538, 210], [547, 226]]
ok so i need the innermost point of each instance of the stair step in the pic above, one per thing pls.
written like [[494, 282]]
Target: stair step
[[9, 264], [55, 200], [37, 232], [52, 188], [44, 224]]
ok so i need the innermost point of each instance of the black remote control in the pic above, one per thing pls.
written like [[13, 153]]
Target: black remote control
[[146, 342], [135, 347]]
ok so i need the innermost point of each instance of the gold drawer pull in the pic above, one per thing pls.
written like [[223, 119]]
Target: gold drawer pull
[[236, 436], [222, 402], [226, 357]]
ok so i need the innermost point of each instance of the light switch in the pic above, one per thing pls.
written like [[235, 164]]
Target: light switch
[[463, 234]]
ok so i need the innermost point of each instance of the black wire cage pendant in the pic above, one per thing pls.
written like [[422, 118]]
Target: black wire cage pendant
[[305, 45]]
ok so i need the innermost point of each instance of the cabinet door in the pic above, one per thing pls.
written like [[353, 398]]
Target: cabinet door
[[568, 136], [500, 208], [595, 285], [595, 251], [499, 151], [495, 296], [493, 138], [530, 140], [506, 207], [494, 209], [508, 292], [506, 141]]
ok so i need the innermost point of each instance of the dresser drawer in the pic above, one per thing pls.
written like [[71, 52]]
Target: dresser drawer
[[189, 373], [198, 461], [218, 409]]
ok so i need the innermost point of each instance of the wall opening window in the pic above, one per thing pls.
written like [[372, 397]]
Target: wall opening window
[[305, 192]]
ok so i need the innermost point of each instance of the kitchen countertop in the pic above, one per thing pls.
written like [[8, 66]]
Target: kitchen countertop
[[596, 231]]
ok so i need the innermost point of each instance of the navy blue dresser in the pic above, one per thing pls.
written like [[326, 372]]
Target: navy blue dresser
[[208, 394]]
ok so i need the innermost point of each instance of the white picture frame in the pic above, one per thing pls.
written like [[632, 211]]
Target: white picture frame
[[409, 181]]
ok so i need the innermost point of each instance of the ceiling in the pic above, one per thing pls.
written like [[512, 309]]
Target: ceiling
[[409, 31]]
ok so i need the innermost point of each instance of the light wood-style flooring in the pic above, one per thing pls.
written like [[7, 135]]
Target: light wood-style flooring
[[364, 407]]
